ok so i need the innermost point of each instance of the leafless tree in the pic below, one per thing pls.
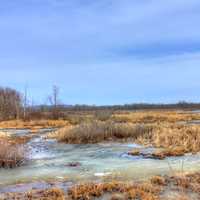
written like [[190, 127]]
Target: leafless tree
[[25, 102], [54, 101], [10, 103]]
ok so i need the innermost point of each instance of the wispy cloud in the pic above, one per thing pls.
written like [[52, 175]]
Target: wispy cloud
[[108, 46]]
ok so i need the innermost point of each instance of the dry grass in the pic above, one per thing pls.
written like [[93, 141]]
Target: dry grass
[[168, 152], [97, 131], [155, 117], [131, 191], [49, 194], [135, 152], [78, 118], [103, 115], [157, 188], [35, 124], [11, 154], [158, 180], [4, 134], [180, 138], [177, 139], [160, 153]]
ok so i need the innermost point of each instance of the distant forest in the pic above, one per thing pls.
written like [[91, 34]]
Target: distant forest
[[14, 105]]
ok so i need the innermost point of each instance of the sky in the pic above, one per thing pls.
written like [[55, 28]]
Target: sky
[[102, 51]]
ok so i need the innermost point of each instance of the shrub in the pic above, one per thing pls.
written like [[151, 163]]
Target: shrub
[[103, 115], [11, 155]]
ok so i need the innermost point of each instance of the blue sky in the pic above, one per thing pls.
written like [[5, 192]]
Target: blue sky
[[102, 51]]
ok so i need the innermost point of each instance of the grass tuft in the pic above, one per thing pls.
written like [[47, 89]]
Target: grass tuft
[[11, 155], [97, 131]]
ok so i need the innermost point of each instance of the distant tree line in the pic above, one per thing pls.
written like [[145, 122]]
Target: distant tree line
[[15, 105], [137, 106]]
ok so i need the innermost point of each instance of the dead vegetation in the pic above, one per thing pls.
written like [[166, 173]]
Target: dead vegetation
[[153, 128], [159, 153], [157, 188], [168, 152], [11, 154], [49, 194], [177, 138], [97, 131], [155, 116], [33, 124], [103, 115], [143, 191]]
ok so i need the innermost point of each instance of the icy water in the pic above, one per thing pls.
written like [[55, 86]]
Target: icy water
[[50, 161]]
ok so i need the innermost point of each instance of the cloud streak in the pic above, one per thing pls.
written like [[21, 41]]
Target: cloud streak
[[128, 50]]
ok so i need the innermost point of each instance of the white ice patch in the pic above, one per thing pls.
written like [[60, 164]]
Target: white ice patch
[[100, 174], [133, 145]]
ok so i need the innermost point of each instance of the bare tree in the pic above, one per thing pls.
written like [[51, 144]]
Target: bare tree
[[54, 101], [25, 102], [10, 103]]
